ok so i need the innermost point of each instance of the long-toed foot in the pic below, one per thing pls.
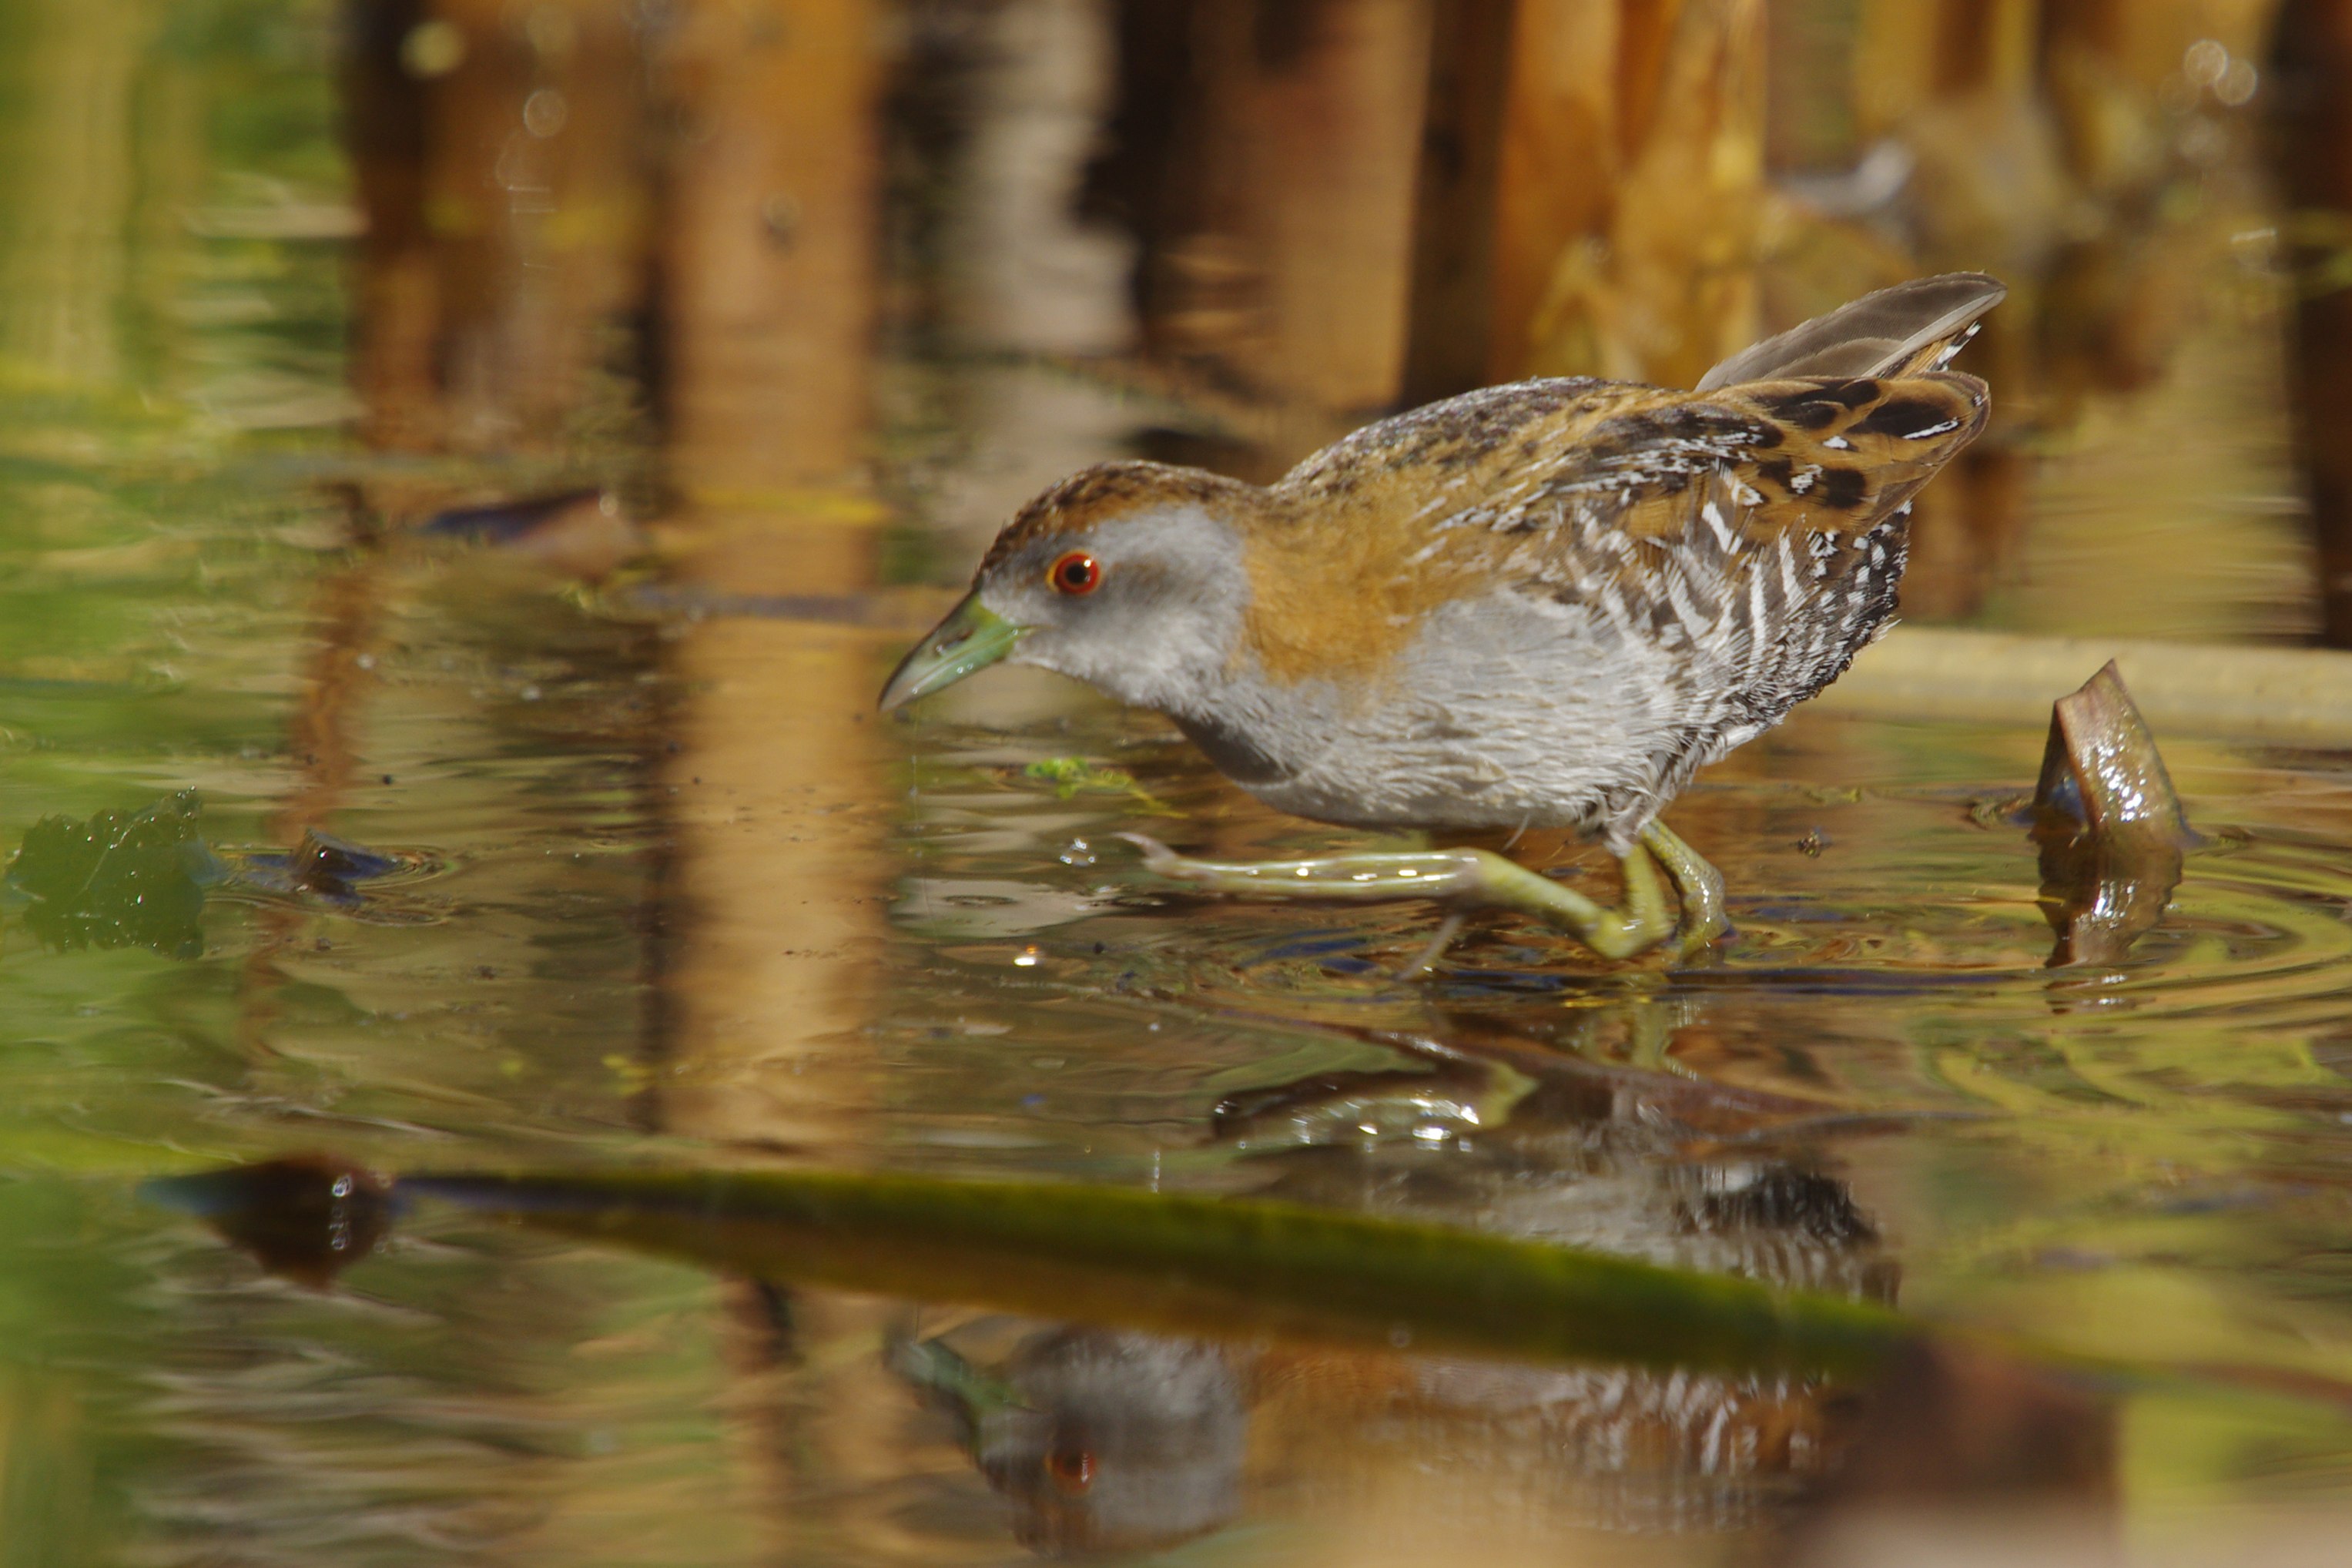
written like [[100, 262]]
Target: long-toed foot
[[1700, 883], [1464, 878]]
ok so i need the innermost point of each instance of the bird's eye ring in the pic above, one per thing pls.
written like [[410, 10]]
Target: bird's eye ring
[[1075, 571]]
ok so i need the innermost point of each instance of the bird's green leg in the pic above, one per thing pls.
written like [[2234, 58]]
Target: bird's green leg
[[1467, 878], [1700, 884]]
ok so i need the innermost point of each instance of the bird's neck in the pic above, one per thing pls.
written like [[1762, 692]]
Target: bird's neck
[[1235, 750]]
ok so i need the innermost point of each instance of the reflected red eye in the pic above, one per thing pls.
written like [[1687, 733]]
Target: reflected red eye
[[1073, 1470], [1075, 573]]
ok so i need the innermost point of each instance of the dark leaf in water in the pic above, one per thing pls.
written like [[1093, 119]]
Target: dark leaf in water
[[2100, 766], [120, 880], [307, 1218], [2109, 824], [579, 533], [504, 522], [323, 861], [322, 864], [326, 865]]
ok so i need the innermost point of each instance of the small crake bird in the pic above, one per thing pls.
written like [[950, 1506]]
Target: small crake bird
[[1543, 605]]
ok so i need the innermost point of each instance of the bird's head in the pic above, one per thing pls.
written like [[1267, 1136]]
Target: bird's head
[[1128, 576]]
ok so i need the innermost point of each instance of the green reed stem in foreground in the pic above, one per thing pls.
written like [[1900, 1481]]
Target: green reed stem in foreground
[[1186, 1264]]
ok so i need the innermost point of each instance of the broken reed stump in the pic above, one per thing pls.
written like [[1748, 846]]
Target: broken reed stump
[[2108, 822]]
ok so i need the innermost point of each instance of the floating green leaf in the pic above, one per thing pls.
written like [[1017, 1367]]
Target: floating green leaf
[[1072, 777], [118, 880]]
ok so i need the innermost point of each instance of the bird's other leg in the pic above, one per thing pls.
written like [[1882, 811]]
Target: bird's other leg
[[1434, 948], [1700, 884], [1467, 878]]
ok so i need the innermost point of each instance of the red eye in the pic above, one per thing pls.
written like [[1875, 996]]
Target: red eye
[[1073, 1470], [1075, 573]]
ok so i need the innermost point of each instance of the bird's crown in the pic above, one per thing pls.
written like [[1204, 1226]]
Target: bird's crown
[[1072, 507]]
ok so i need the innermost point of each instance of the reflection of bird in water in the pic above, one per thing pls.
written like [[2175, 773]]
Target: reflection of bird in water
[[1620, 1160], [1494, 1132], [582, 533], [1100, 1439]]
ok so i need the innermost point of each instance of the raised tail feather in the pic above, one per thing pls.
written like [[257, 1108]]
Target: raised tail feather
[[1912, 327]]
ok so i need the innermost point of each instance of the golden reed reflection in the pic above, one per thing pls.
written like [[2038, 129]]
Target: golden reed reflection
[[578, 223], [584, 220], [767, 272]]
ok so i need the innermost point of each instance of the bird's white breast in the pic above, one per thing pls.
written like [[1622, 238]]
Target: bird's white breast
[[1507, 711]]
